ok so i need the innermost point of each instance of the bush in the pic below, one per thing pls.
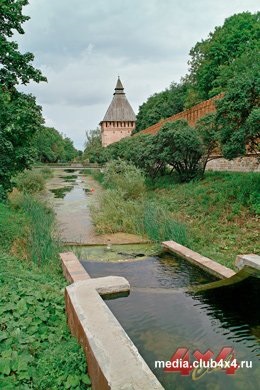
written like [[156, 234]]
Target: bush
[[124, 176], [180, 146], [29, 182]]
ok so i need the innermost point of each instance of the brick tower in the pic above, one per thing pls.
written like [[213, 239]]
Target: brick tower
[[119, 120]]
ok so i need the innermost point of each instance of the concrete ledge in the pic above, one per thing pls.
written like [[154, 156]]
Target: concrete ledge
[[72, 269], [250, 260], [207, 264], [113, 360]]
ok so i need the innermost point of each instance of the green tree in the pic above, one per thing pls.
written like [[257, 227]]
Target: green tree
[[238, 117], [15, 67], [52, 147], [94, 152], [20, 118], [161, 105], [210, 57], [208, 132], [180, 146]]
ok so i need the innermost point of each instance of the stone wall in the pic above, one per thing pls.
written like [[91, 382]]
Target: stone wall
[[248, 163]]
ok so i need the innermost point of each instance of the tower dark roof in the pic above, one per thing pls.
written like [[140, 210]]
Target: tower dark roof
[[119, 109]]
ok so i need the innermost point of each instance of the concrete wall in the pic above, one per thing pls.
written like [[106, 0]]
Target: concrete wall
[[114, 362]]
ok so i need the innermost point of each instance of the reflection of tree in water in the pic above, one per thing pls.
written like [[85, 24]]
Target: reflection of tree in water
[[61, 192]]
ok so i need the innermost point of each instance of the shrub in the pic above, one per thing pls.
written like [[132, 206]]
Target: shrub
[[180, 146], [29, 182], [127, 178]]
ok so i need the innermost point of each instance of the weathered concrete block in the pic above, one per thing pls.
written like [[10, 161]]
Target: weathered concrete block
[[250, 260], [113, 360], [207, 264]]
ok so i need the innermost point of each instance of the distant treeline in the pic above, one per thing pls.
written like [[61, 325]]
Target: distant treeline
[[52, 147]]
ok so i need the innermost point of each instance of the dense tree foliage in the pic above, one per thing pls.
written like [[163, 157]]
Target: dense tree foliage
[[227, 62], [161, 105], [176, 145], [15, 66], [238, 113], [181, 148], [93, 151], [211, 58], [52, 147], [20, 116]]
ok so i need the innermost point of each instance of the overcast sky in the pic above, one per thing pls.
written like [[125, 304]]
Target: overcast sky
[[82, 45]]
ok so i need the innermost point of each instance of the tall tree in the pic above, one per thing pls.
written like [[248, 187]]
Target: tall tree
[[238, 113], [161, 105], [20, 116], [15, 67], [52, 147], [238, 34]]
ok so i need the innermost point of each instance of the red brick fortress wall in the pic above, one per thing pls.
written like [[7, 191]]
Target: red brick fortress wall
[[192, 115], [249, 163]]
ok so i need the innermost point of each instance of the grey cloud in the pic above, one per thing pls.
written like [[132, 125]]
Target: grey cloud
[[83, 45]]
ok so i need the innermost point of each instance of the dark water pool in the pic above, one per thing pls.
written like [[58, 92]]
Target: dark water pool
[[160, 315]]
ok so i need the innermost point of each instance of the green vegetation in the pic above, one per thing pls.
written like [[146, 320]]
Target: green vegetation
[[53, 147], [20, 116], [216, 216], [22, 135], [37, 350], [125, 207], [226, 62], [29, 182], [93, 152], [220, 212], [161, 105], [16, 67], [176, 145], [213, 60]]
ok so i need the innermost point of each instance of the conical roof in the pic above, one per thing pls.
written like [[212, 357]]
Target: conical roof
[[119, 109]]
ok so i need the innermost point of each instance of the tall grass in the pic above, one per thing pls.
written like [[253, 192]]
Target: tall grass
[[97, 174], [159, 225], [29, 182], [43, 246], [116, 214]]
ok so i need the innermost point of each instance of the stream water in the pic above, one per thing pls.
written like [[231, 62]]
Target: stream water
[[162, 313]]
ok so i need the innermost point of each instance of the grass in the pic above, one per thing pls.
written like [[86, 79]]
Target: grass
[[217, 216], [124, 207], [221, 212], [97, 174], [37, 350]]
